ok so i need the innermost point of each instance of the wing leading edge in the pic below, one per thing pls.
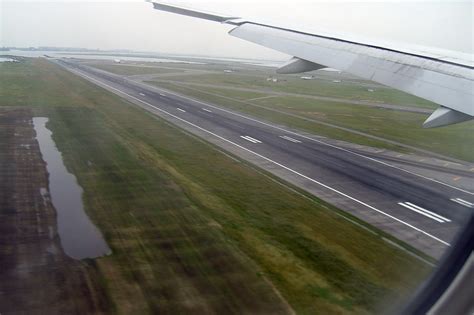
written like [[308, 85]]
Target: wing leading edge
[[444, 78]]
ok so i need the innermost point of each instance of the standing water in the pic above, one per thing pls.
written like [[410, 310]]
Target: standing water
[[80, 238]]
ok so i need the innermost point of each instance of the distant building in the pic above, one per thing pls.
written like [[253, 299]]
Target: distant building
[[117, 61], [7, 59], [307, 77], [228, 71], [336, 81], [271, 79], [371, 90]]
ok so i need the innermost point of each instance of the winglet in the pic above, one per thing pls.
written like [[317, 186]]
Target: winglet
[[159, 5], [444, 116]]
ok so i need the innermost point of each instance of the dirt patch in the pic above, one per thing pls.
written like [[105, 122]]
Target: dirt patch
[[35, 274]]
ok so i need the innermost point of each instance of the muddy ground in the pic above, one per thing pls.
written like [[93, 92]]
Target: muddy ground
[[35, 274]]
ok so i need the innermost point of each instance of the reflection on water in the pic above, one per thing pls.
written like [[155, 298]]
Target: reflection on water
[[80, 238]]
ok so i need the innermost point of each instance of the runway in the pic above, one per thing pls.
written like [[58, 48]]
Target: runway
[[424, 212]]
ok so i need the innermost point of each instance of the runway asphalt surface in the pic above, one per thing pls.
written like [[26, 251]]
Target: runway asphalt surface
[[421, 211]]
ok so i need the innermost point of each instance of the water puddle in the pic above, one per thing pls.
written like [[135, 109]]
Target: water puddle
[[80, 238]]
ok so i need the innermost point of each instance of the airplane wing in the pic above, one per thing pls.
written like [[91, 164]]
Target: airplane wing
[[443, 77]]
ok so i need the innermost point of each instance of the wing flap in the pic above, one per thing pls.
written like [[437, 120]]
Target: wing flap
[[297, 65], [444, 116]]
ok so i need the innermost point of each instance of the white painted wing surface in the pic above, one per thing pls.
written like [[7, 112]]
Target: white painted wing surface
[[443, 77]]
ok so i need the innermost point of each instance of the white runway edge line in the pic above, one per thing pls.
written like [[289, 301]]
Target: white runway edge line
[[312, 139], [181, 110], [290, 139], [269, 160], [463, 202], [251, 139], [424, 212]]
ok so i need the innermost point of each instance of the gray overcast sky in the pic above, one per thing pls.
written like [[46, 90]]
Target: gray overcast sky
[[135, 25]]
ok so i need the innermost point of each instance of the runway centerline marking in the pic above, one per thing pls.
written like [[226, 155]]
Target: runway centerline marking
[[181, 110], [290, 139], [463, 202], [315, 140], [270, 160], [207, 110]]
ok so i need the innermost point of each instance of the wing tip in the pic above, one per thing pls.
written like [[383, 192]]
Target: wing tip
[[182, 10]]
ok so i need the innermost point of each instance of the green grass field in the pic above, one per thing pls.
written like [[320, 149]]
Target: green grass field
[[402, 127], [190, 235], [318, 87], [222, 99]]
